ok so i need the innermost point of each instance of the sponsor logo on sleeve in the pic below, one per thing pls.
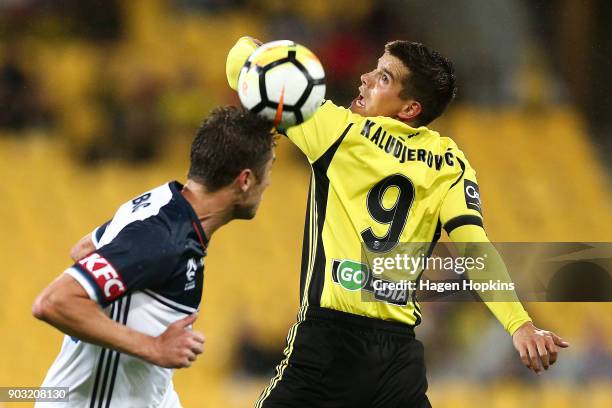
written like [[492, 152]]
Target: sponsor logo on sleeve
[[472, 195], [105, 276]]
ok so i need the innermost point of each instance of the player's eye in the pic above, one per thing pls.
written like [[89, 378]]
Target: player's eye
[[384, 78]]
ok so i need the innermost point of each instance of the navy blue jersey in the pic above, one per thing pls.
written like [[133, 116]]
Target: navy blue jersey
[[154, 243], [147, 272]]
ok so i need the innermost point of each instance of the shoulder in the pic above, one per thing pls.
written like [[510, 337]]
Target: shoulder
[[456, 155], [146, 214], [450, 145], [329, 110]]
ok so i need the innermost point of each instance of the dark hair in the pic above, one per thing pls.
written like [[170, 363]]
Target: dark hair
[[230, 140], [431, 78]]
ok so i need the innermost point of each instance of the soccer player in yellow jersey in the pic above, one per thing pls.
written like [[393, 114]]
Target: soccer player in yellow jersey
[[344, 351]]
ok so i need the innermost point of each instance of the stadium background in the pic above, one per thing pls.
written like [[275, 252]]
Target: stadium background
[[99, 101]]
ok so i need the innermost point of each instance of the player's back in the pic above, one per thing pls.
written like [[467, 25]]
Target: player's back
[[376, 182]]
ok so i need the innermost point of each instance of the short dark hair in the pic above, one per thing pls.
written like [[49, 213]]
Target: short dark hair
[[431, 78], [230, 140]]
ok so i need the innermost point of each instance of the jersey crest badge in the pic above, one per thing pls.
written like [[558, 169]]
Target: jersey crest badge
[[192, 267]]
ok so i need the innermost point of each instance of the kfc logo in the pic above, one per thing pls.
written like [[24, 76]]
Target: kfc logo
[[105, 276]]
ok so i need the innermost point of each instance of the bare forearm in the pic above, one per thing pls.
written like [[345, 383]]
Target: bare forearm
[[72, 312], [66, 305], [86, 321]]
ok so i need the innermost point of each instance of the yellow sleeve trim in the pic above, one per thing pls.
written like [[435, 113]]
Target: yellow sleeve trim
[[515, 325], [511, 315]]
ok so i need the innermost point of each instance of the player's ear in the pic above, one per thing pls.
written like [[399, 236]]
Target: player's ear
[[410, 110], [245, 179]]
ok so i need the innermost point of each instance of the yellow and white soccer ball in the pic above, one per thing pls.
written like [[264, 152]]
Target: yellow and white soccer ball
[[283, 82]]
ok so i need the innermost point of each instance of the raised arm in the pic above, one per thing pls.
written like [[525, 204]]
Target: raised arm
[[314, 136]]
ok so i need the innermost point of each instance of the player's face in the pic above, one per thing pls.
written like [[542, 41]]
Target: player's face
[[379, 93], [255, 194]]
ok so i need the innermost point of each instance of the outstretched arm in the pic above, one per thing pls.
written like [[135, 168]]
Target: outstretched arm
[[314, 136], [66, 305], [537, 348]]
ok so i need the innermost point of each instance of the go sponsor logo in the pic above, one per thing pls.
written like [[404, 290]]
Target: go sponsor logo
[[350, 275], [353, 276]]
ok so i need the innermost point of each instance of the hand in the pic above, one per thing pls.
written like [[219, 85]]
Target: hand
[[535, 346], [84, 247], [256, 41], [178, 346], [236, 57]]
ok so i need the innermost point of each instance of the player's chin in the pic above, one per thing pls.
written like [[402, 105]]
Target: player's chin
[[246, 212]]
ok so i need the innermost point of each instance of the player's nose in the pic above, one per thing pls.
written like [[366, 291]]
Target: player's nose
[[367, 79], [364, 79]]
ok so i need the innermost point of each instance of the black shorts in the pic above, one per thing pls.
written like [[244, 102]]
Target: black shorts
[[337, 360]]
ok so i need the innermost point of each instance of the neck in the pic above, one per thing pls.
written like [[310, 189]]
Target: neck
[[212, 209]]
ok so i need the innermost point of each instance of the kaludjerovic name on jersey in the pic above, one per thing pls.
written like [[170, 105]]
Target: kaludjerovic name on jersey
[[394, 145]]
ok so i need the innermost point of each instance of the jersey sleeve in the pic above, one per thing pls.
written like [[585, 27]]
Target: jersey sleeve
[[314, 136], [236, 58], [141, 256], [97, 233], [511, 313], [462, 205]]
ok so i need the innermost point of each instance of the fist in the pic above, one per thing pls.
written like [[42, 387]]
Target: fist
[[178, 346]]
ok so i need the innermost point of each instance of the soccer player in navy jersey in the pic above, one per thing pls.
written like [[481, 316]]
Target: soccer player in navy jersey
[[128, 303]]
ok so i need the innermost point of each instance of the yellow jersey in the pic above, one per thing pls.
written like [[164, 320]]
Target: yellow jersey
[[376, 182]]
